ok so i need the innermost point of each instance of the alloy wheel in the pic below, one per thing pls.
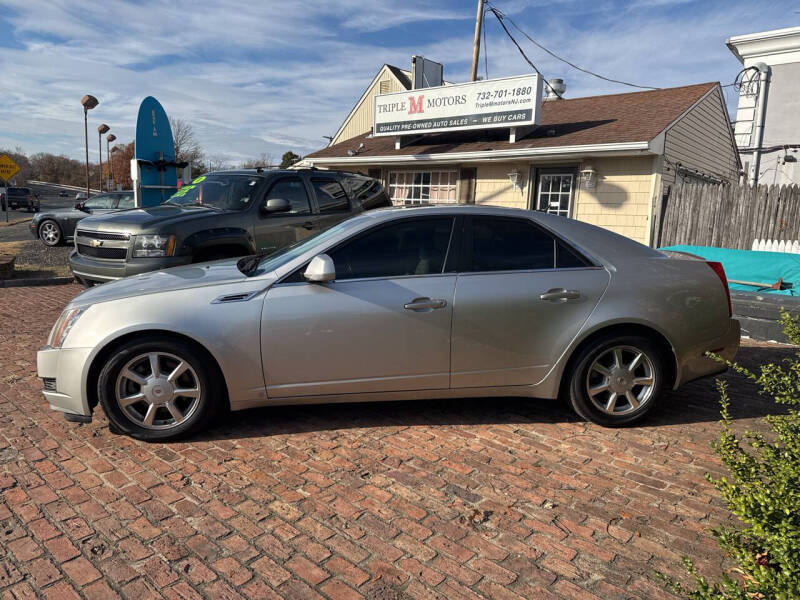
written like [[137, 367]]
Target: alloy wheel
[[49, 233], [157, 390], [620, 380]]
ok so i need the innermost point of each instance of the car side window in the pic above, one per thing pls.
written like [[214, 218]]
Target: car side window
[[125, 201], [98, 202], [293, 191], [502, 244], [331, 196], [408, 247]]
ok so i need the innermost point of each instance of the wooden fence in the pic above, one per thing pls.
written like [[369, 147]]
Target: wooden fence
[[729, 216]]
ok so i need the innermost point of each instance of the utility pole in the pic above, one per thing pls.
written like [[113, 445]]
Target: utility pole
[[476, 44]]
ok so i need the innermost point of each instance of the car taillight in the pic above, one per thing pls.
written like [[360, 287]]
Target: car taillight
[[720, 271]]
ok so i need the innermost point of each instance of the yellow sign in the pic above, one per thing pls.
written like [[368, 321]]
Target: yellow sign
[[8, 168]]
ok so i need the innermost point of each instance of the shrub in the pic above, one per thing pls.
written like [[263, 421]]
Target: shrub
[[763, 491]]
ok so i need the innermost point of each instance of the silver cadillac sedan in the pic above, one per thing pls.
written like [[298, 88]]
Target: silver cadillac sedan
[[395, 304]]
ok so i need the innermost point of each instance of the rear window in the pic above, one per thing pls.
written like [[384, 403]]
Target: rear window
[[17, 191]]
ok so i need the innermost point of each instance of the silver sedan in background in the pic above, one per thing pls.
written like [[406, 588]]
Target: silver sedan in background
[[396, 304]]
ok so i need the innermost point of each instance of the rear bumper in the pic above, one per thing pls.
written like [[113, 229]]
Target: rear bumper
[[67, 366], [696, 364], [90, 269]]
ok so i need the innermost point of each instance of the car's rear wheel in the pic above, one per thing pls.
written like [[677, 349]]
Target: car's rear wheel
[[159, 388], [616, 379], [50, 233]]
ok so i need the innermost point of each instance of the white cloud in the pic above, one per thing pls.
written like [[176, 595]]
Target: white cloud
[[256, 77]]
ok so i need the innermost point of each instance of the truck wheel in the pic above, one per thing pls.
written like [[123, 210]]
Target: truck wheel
[[50, 233]]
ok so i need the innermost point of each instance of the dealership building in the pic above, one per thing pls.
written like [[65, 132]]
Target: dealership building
[[610, 160]]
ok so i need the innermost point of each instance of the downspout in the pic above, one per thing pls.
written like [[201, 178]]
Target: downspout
[[763, 84]]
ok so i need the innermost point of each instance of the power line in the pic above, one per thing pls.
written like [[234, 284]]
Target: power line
[[500, 16], [522, 52]]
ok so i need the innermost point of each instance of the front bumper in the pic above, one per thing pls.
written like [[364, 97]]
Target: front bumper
[[67, 366], [93, 269], [696, 364]]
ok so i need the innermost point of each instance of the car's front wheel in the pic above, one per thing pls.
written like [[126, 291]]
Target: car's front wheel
[[159, 388], [616, 379], [50, 233]]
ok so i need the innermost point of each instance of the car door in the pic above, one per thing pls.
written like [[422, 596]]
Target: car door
[[383, 325], [333, 203], [276, 230], [521, 297]]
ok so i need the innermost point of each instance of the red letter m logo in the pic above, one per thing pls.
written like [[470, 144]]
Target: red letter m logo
[[415, 107]]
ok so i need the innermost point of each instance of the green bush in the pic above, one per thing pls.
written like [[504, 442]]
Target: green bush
[[763, 491]]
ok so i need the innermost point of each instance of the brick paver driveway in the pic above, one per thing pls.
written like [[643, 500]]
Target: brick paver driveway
[[445, 499]]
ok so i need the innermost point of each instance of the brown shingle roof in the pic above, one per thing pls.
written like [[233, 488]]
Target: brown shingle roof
[[615, 118]]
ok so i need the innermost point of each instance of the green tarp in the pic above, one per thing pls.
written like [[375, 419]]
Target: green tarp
[[750, 265]]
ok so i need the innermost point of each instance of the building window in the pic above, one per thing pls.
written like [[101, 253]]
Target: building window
[[423, 187], [554, 193]]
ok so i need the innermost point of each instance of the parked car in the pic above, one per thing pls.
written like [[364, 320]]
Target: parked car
[[20, 197], [404, 303], [80, 196], [56, 226], [220, 215], [63, 194]]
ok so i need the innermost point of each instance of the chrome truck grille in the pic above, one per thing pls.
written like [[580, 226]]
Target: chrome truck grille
[[102, 244]]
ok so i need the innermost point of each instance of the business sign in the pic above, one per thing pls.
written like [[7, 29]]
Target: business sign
[[495, 103], [8, 168]]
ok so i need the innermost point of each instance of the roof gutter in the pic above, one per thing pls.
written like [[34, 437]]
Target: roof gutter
[[626, 148]]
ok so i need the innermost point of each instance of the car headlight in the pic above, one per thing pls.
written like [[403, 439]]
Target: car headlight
[[63, 326], [153, 245]]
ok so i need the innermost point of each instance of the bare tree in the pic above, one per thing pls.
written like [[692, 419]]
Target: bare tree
[[187, 148], [216, 162], [264, 160]]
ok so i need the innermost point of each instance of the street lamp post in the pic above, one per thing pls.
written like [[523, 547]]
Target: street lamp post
[[101, 129], [110, 138], [88, 102]]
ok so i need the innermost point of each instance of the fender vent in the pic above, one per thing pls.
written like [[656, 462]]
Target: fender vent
[[240, 297]]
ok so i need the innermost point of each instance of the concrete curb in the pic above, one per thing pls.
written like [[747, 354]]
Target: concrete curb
[[17, 222], [759, 314], [36, 281]]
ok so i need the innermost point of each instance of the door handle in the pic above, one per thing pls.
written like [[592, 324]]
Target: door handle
[[425, 304], [560, 295], [308, 225]]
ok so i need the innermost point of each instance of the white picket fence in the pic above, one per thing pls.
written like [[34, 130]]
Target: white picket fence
[[788, 246]]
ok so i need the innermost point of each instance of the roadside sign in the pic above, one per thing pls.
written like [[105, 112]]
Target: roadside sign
[[8, 168]]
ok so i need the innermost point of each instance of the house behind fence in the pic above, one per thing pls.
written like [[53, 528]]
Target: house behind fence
[[730, 216]]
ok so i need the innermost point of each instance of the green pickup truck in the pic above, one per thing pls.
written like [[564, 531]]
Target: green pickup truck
[[220, 215]]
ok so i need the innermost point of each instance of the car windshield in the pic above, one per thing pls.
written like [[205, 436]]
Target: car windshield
[[222, 190], [281, 257]]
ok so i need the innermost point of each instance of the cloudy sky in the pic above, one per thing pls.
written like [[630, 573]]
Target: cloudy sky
[[264, 76]]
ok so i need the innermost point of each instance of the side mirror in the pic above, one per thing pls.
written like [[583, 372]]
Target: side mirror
[[320, 269], [80, 206], [275, 205]]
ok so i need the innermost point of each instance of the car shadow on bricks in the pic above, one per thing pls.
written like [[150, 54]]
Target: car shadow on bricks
[[695, 402]]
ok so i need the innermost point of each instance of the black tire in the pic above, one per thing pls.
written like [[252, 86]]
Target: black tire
[[50, 233], [199, 412], [600, 354]]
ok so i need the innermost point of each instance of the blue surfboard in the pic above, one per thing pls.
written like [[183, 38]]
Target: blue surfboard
[[153, 147]]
